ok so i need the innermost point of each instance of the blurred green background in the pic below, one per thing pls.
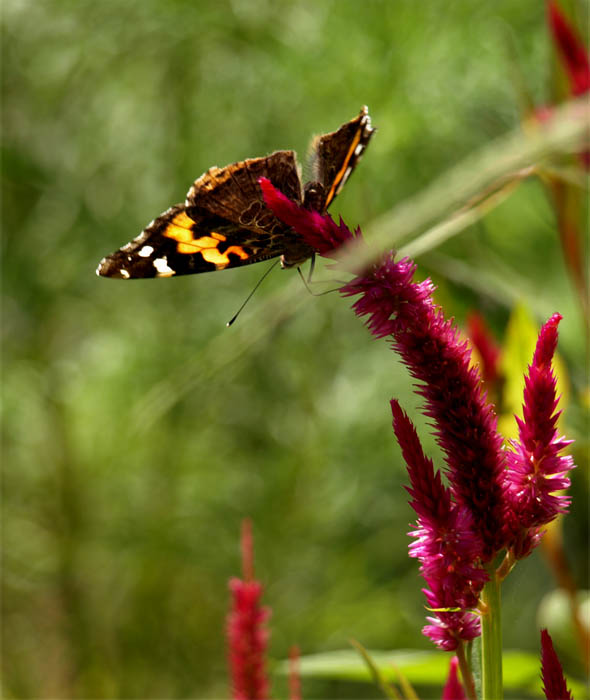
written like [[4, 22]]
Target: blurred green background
[[138, 430]]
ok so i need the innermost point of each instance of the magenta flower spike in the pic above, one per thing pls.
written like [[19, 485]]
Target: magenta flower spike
[[465, 424], [430, 346], [554, 685], [247, 634], [453, 689], [445, 544], [537, 472]]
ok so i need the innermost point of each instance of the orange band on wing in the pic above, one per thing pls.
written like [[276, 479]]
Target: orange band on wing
[[342, 171], [221, 260], [180, 230]]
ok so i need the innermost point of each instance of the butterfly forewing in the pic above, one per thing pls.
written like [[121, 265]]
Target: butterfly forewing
[[338, 153], [224, 221], [188, 240]]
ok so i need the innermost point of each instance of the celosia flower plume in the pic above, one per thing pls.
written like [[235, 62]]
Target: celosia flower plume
[[246, 631], [537, 469], [445, 544], [462, 527]]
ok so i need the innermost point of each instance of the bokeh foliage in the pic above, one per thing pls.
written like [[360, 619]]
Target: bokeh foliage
[[138, 431]]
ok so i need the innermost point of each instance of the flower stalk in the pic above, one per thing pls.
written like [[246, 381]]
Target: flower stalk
[[466, 674], [491, 639]]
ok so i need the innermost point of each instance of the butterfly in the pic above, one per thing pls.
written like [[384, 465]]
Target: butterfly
[[224, 221]]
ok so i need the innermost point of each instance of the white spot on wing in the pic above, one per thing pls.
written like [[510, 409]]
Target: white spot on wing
[[161, 265], [124, 274], [146, 251]]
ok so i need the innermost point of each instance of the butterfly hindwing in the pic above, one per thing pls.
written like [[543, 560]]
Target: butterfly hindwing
[[234, 193]]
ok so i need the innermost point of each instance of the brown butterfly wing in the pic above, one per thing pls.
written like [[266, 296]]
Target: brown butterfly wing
[[336, 155], [187, 240], [224, 223]]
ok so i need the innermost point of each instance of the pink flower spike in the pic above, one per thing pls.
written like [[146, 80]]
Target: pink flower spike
[[571, 50], [453, 689], [554, 685], [318, 230], [247, 634], [445, 544], [430, 499], [447, 629], [536, 470], [431, 348]]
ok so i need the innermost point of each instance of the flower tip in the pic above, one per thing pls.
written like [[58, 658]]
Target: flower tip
[[554, 685], [547, 341], [269, 191], [453, 689], [396, 409]]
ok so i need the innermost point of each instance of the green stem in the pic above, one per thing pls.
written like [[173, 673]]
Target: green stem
[[491, 639], [466, 675]]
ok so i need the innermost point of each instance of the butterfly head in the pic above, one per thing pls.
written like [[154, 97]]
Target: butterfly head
[[314, 196]]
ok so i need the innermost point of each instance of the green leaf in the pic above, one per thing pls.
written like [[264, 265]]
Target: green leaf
[[421, 668]]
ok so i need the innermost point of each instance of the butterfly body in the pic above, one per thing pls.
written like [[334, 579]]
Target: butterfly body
[[224, 221]]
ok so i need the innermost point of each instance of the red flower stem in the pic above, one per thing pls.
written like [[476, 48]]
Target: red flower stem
[[466, 675], [491, 639]]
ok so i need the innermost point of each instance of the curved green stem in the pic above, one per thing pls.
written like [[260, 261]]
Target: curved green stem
[[491, 639]]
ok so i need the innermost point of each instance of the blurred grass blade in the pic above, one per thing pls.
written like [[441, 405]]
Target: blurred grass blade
[[389, 691], [526, 146], [465, 217], [405, 684]]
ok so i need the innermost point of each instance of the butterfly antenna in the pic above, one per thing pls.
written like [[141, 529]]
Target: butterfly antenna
[[260, 281]]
